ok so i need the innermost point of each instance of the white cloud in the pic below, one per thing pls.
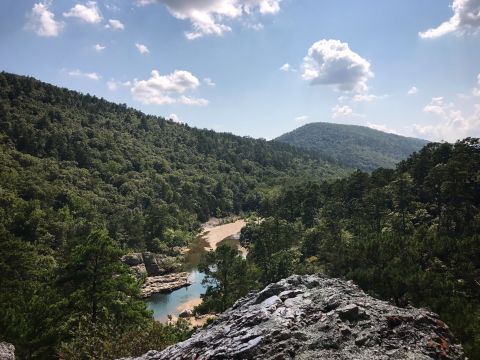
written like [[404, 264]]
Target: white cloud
[[42, 21], [368, 97], [175, 118], [285, 67], [381, 127], [142, 49], [465, 19], [331, 62], [453, 124], [114, 25], [87, 75], [167, 89], [208, 17], [301, 118], [412, 91], [113, 84], [88, 12], [209, 82], [341, 111], [98, 47]]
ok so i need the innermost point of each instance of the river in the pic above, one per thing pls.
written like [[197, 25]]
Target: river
[[175, 302]]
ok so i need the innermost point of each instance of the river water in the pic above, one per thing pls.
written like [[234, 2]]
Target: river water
[[175, 302]]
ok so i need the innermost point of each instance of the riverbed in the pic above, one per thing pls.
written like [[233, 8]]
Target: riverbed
[[212, 235]]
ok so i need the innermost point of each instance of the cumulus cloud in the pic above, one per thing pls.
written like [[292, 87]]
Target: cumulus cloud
[[465, 20], [301, 119], [42, 21], [341, 111], [381, 127], [175, 118], [453, 123], [285, 67], [87, 75], [88, 12], [209, 82], [98, 47], [412, 91], [167, 89], [208, 17], [142, 49], [114, 25], [331, 62]]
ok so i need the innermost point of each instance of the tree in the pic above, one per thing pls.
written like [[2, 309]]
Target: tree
[[228, 277], [98, 286]]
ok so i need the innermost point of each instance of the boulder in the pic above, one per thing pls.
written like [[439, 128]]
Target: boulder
[[315, 317], [164, 284], [133, 259], [7, 351], [151, 264]]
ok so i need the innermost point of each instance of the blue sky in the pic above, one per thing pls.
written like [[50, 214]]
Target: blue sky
[[261, 67]]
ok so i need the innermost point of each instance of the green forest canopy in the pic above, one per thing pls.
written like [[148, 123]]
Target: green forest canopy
[[354, 146]]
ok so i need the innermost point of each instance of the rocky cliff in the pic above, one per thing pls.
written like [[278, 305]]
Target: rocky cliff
[[313, 317]]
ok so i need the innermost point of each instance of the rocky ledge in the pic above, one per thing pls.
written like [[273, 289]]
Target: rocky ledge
[[164, 284], [313, 317]]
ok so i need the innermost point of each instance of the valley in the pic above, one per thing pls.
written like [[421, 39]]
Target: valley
[[88, 187]]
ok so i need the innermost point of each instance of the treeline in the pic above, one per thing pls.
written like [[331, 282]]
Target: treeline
[[409, 235]]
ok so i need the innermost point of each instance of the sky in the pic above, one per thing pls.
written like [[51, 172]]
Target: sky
[[261, 67]]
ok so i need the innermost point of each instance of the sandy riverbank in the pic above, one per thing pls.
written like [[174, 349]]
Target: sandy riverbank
[[215, 234], [190, 304]]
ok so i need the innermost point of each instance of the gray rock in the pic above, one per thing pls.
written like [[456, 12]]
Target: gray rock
[[152, 264], [133, 259], [7, 351], [314, 317], [164, 284]]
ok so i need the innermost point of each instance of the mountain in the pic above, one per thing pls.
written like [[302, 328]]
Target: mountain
[[144, 176], [314, 317], [353, 146]]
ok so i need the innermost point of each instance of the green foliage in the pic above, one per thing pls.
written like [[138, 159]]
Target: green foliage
[[105, 342], [98, 286], [407, 235], [353, 146], [228, 277], [271, 243]]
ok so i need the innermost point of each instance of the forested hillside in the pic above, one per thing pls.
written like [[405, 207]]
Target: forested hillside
[[409, 235], [354, 146], [83, 180], [68, 157]]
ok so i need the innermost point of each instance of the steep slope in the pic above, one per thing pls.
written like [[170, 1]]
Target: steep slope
[[70, 160], [313, 317], [353, 146]]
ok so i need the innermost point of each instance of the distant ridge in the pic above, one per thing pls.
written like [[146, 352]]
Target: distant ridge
[[354, 146]]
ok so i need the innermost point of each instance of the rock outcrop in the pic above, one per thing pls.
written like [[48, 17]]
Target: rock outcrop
[[164, 284], [151, 264], [313, 317], [7, 351]]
